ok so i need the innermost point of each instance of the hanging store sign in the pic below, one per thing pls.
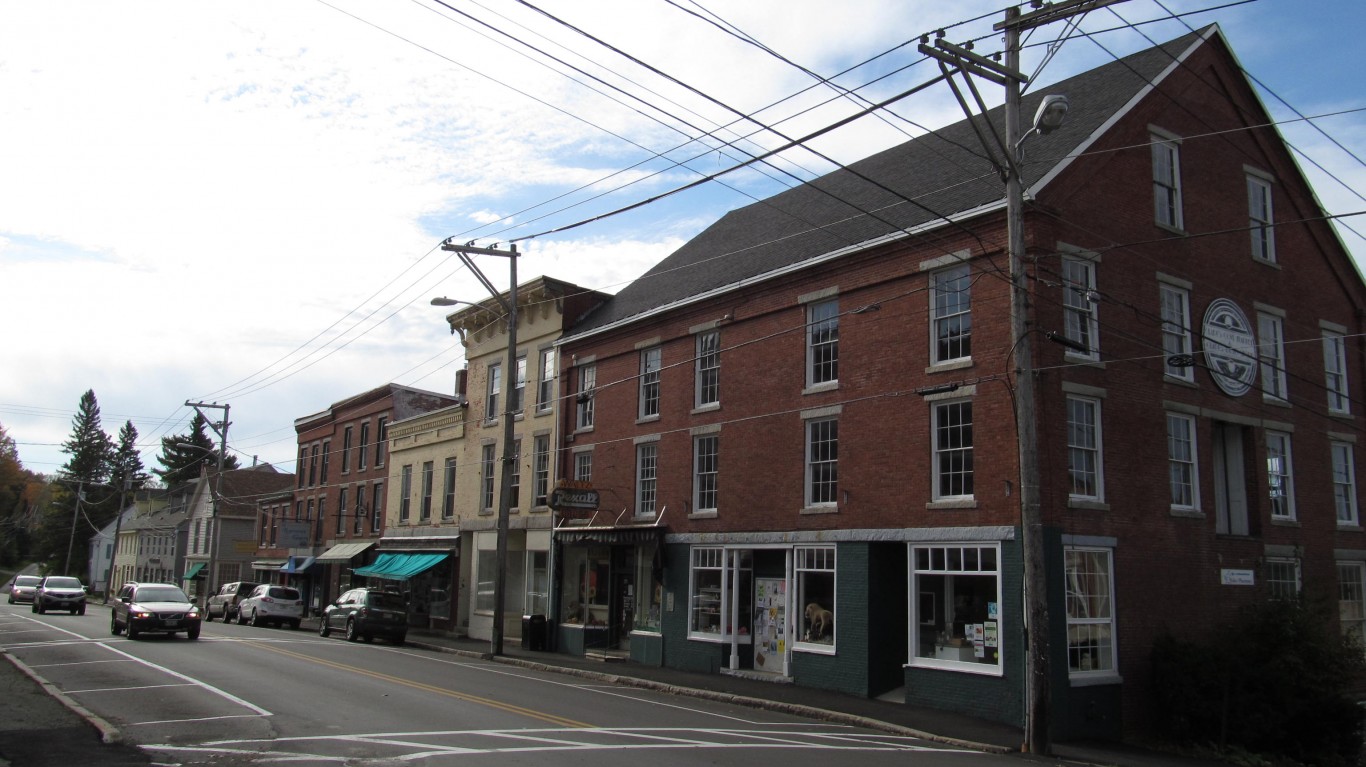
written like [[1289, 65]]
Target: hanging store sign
[[1230, 348], [574, 496]]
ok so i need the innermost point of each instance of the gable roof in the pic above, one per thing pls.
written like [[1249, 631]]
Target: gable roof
[[933, 180]]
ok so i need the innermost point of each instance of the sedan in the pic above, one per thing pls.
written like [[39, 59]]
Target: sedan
[[153, 608], [268, 603], [21, 590], [59, 592]]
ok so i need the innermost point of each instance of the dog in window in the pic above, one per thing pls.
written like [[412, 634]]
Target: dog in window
[[819, 622]]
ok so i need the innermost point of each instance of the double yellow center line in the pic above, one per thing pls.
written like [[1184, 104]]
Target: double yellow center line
[[559, 721]]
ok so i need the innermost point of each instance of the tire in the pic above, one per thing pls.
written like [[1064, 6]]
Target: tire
[[352, 635], [34, 608], [11, 599], [114, 625], [256, 619], [241, 619], [208, 616], [294, 625], [323, 628], [132, 631], [398, 641], [192, 633]]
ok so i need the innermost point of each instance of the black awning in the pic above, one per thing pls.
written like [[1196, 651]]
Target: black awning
[[610, 535]]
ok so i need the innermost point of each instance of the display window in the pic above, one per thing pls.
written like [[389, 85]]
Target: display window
[[587, 570], [815, 572], [537, 583], [649, 588], [722, 586], [956, 607]]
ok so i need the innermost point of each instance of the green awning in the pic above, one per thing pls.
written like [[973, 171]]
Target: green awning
[[400, 566], [193, 572]]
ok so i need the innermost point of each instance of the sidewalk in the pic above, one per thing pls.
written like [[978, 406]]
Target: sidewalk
[[885, 715]]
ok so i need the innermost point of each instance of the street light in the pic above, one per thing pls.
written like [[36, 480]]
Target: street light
[[509, 305]]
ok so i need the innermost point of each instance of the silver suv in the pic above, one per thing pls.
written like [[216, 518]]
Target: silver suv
[[224, 603]]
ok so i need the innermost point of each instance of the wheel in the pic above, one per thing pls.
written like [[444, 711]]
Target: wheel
[[208, 616], [11, 599], [241, 619], [294, 625], [34, 608], [75, 610], [192, 633], [352, 635], [256, 619], [114, 626], [323, 628], [132, 631], [398, 641]]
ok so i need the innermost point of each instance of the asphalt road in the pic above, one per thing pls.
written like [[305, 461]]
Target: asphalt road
[[244, 696]]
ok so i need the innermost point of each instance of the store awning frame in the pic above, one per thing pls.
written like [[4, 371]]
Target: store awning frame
[[268, 564], [297, 565], [400, 566], [345, 552], [193, 572]]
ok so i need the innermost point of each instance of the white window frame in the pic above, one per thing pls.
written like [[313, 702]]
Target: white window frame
[[944, 450], [822, 342], [1344, 483], [1084, 442], [545, 389], [1082, 623], [651, 365], [1167, 203], [1352, 599], [487, 463], [1261, 218], [1183, 467], [448, 489], [647, 479], [1280, 475], [1081, 325], [707, 373], [951, 315], [583, 407], [1271, 354], [515, 476], [1280, 567], [519, 387], [820, 560], [737, 582], [706, 472], [405, 493], [540, 469], [1176, 332], [428, 482], [493, 392], [1335, 372], [583, 466], [821, 469], [948, 561]]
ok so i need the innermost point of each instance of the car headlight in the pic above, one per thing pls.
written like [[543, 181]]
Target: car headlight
[[141, 614]]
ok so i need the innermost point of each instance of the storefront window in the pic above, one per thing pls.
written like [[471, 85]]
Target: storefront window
[[714, 590], [586, 571], [815, 567], [486, 577], [537, 583], [957, 596], [649, 589]]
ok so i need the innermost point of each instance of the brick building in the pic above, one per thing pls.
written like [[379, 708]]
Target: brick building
[[801, 425]]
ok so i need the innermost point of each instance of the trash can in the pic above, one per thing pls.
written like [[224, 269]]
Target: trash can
[[533, 632]]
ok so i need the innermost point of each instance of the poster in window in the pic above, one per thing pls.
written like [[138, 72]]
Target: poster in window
[[770, 616]]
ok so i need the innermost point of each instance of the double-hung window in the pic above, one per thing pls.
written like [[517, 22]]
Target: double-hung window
[[1279, 477], [1080, 325], [359, 526], [486, 465], [1167, 181], [1335, 372], [327, 461], [1271, 355], [346, 450], [377, 508], [515, 479], [1084, 456], [1177, 350], [651, 362], [1282, 578], [545, 389], [1260, 218], [952, 424], [583, 408], [1344, 483], [822, 342], [428, 479], [361, 454], [405, 497], [519, 386], [951, 314], [583, 466], [1181, 465], [1352, 599], [1089, 580], [708, 372], [540, 469], [706, 466], [492, 397], [647, 478], [341, 511], [448, 491], [822, 461]]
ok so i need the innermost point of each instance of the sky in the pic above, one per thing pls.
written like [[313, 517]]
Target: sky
[[243, 203]]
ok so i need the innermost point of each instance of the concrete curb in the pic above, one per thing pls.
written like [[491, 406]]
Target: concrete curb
[[794, 709], [109, 734]]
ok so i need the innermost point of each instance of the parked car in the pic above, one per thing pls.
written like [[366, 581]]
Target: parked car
[[59, 592], [153, 608], [225, 602], [22, 588], [269, 603], [366, 614]]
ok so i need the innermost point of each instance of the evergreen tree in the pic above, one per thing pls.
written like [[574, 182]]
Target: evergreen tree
[[91, 450], [127, 463], [181, 464], [81, 499]]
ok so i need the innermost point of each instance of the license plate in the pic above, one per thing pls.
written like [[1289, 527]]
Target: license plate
[[172, 623]]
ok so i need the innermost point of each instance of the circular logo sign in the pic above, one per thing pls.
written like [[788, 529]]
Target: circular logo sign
[[1230, 348]]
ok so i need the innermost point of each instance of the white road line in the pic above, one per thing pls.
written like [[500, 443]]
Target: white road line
[[191, 680], [126, 689], [77, 663], [193, 719]]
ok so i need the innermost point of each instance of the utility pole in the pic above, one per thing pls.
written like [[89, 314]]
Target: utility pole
[[221, 429], [75, 519], [118, 526], [509, 305]]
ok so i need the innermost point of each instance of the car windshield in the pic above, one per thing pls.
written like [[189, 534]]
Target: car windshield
[[161, 594], [280, 592], [27, 580], [387, 601], [63, 583]]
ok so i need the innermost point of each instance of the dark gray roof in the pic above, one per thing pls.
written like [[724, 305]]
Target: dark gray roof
[[945, 173]]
